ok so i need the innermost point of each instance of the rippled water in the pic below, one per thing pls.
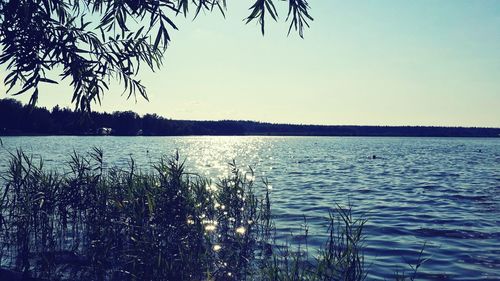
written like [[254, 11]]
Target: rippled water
[[443, 191]]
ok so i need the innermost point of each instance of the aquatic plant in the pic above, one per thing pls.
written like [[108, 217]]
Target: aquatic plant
[[91, 222]]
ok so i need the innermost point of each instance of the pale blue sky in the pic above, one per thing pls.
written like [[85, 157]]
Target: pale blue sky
[[426, 62]]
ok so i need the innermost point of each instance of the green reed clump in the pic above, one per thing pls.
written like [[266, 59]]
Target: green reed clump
[[340, 258], [89, 222], [126, 224]]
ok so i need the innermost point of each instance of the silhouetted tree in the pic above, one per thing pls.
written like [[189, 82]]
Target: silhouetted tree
[[152, 124], [16, 119], [126, 123], [93, 41], [10, 114]]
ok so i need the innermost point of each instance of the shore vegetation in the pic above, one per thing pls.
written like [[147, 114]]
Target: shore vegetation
[[86, 221]]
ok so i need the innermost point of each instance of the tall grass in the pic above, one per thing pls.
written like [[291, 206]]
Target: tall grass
[[88, 222]]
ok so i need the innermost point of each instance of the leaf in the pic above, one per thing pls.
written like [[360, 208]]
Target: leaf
[[271, 9], [158, 37], [26, 87], [47, 80], [34, 98], [138, 33], [170, 22]]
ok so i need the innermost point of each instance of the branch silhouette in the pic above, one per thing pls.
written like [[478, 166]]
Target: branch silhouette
[[96, 41]]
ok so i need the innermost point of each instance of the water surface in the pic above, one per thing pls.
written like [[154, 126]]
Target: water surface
[[442, 191]]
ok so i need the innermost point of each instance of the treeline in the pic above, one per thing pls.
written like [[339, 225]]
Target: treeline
[[18, 119]]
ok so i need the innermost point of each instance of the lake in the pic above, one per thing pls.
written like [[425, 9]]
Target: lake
[[441, 191]]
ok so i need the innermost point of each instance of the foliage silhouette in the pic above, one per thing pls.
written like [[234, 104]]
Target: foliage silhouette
[[96, 41]]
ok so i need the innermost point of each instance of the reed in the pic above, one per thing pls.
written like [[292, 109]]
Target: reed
[[88, 222]]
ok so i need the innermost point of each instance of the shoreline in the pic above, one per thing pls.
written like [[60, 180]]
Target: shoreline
[[251, 135]]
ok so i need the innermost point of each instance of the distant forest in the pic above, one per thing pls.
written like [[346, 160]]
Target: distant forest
[[19, 119]]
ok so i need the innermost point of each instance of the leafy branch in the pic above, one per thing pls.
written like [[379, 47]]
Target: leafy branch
[[40, 36]]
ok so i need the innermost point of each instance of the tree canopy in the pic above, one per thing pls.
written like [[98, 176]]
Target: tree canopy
[[91, 42], [19, 119]]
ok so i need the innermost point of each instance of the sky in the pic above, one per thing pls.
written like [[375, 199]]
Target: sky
[[377, 62]]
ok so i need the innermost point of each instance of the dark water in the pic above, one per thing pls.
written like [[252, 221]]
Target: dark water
[[442, 191]]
